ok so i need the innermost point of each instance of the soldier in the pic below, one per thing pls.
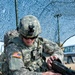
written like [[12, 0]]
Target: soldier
[[27, 53]]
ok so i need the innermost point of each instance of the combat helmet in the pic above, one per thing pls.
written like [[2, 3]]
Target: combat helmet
[[29, 26]]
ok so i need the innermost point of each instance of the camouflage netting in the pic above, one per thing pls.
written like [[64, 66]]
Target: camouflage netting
[[57, 17]]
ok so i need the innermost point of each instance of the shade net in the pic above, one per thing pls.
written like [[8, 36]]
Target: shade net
[[57, 17]]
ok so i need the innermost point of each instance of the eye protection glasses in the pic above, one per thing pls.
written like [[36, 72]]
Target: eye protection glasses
[[32, 38]]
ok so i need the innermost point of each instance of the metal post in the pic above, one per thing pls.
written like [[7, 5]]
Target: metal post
[[16, 13], [57, 16]]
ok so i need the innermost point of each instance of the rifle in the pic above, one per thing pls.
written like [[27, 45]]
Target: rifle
[[60, 68]]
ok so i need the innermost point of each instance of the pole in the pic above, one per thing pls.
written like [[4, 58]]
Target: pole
[[58, 26], [16, 13]]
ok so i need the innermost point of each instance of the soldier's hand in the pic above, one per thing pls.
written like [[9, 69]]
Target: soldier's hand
[[50, 73], [50, 59]]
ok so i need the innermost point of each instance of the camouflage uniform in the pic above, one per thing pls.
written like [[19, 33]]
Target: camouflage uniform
[[29, 60]]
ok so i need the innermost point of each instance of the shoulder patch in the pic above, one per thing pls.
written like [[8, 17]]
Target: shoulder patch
[[17, 55]]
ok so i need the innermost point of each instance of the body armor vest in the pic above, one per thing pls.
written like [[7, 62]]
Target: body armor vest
[[33, 58]]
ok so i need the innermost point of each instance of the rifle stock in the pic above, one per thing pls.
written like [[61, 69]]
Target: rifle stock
[[60, 68]]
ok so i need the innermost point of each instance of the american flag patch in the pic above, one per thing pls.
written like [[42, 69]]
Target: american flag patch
[[17, 55]]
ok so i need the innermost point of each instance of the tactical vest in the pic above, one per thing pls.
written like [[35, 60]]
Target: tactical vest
[[33, 57]]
